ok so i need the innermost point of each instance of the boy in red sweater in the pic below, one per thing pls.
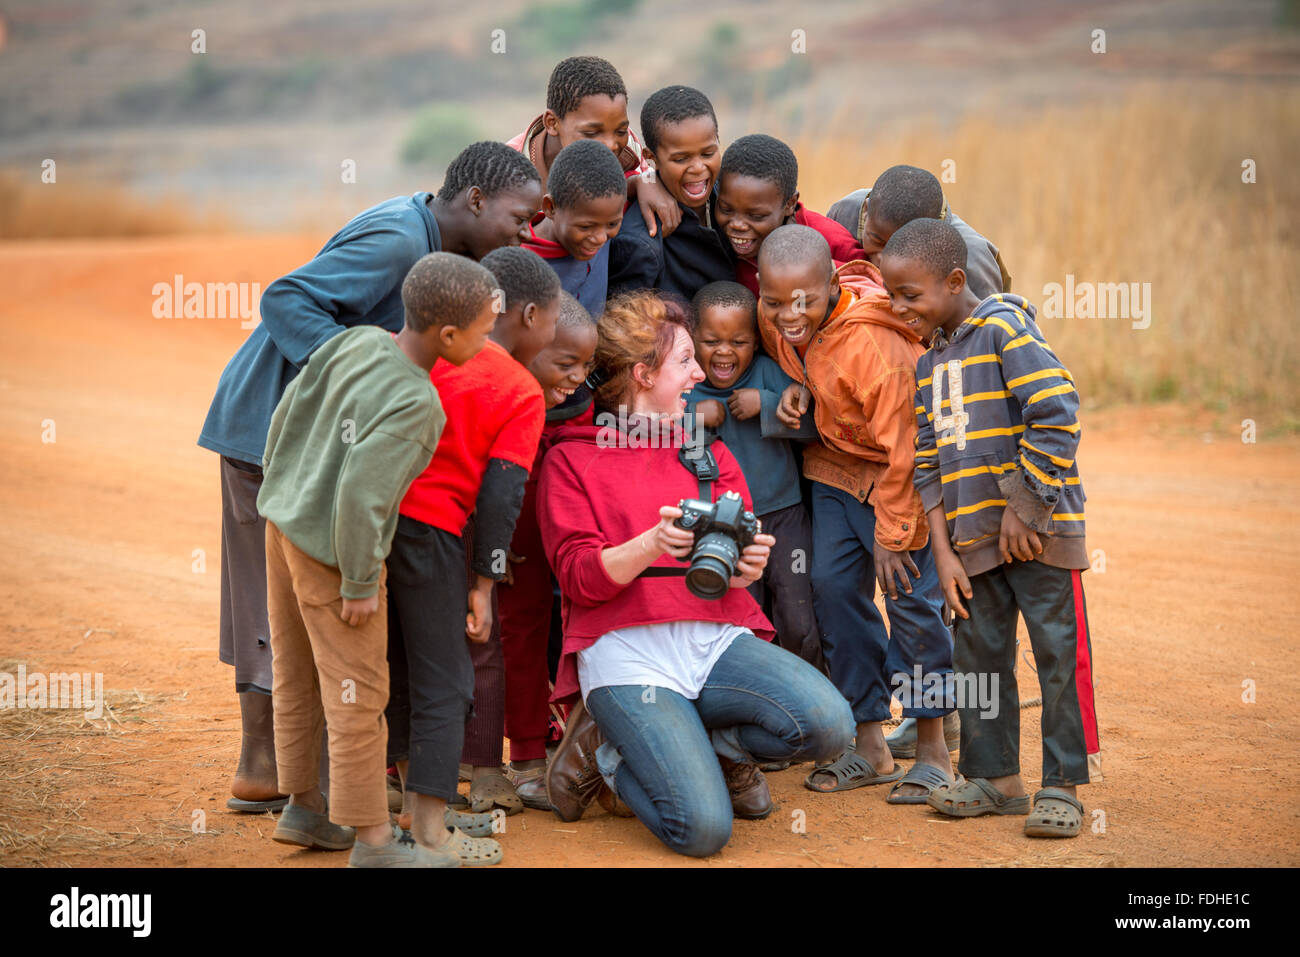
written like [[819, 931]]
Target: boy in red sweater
[[494, 420], [757, 192], [525, 598]]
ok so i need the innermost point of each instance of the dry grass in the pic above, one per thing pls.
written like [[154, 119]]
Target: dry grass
[[51, 773], [1143, 189], [77, 208]]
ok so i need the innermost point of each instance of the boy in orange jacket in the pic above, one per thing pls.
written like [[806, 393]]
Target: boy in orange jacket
[[833, 332]]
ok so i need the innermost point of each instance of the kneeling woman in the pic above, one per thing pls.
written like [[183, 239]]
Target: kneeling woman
[[686, 700]]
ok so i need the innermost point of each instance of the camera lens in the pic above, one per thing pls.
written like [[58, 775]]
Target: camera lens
[[713, 563]]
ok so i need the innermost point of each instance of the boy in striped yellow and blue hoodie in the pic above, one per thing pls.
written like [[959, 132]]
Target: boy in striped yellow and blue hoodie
[[996, 439]]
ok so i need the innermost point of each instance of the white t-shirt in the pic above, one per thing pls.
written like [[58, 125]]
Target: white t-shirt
[[677, 655]]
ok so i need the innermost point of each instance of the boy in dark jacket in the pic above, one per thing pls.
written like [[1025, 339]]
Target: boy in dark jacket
[[995, 466], [681, 136]]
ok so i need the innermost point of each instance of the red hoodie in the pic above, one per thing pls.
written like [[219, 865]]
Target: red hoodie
[[592, 497]]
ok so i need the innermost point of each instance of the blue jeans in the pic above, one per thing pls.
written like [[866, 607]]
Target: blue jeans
[[862, 656], [760, 703]]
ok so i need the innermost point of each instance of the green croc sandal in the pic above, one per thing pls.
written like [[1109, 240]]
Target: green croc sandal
[[972, 797], [1056, 813]]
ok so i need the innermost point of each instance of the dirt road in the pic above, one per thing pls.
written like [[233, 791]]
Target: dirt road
[[110, 545]]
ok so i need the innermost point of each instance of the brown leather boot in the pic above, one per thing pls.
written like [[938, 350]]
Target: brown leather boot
[[572, 779], [750, 798]]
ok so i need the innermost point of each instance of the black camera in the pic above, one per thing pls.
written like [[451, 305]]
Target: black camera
[[722, 529]]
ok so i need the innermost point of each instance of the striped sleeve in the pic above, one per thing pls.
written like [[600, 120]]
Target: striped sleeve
[[926, 476], [1049, 407]]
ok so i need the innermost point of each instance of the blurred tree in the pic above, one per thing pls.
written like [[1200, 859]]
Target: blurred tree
[[437, 134]]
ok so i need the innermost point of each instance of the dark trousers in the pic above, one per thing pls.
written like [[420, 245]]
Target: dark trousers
[[863, 657], [431, 677], [786, 585], [486, 727], [245, 634], [1051, 599]]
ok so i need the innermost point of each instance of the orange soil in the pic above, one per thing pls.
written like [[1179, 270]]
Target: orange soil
[[100, 529]]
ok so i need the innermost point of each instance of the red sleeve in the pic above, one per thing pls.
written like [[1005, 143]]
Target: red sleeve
[[571, 535], [844, 248], [518, 439]]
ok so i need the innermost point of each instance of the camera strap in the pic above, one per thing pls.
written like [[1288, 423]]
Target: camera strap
[[699, 461]]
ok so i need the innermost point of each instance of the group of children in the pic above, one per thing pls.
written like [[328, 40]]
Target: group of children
[[898, 417]]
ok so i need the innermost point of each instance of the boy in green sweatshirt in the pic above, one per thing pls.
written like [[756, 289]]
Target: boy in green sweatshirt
[[348, 437]]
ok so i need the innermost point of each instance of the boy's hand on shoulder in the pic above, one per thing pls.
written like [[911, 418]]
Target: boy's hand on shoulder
[[1017, 540], [793, 405], [953, 580], [710, 413], [355, 611], [478, 622], [745, 403], [892, 569], [660, 211]]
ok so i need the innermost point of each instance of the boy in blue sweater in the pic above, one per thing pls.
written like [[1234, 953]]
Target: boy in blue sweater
[[583, 206], [487, 199], [738, 402], [995, 467]]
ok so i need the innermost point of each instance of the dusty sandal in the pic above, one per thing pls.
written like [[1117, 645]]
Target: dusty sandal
[[971, 797], [474, 851], [850, 770], [922, 775], [494, 791], [1056, 813]]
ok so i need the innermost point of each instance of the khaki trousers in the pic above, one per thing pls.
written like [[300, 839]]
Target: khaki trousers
[[326, 669]]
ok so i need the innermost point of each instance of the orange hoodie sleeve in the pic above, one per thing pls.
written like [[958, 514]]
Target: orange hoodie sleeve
[[900, 522]]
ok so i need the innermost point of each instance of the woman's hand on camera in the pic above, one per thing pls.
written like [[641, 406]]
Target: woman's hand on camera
[[753, 560], [667, 537]]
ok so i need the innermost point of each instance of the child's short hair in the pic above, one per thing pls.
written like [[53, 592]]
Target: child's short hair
[[443, 289], [573, 314], [725, 293], [904, 193], [672, 104], [763, 157], [585, 170], [578, 77], [522, 275], [795, 245], [933, 243], [491, 166]]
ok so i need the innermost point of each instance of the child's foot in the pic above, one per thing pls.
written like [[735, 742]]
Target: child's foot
[[401, 851], [931, 749], [489, 789], [870, 746], [255, 777], [1057, 813], [310, 827]]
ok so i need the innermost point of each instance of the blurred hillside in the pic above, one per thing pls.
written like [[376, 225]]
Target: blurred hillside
[[258, 126]]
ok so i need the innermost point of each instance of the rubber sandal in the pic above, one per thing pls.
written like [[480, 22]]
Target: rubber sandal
[[851, 770], [257, 807], [494, 791], [1056, 813], [924, 775], [978, 797], [475, 851]]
